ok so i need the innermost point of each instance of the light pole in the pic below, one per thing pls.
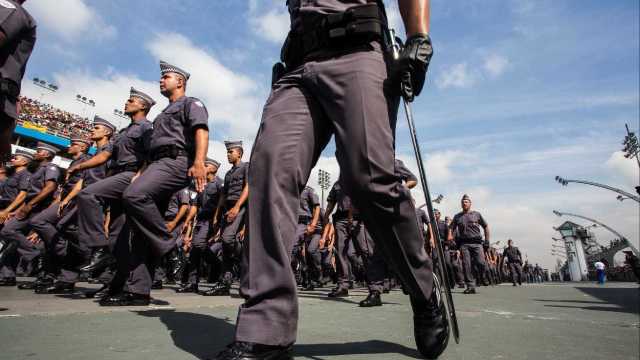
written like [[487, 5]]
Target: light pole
[[564, 182], [87, 102], [631, 146], [324, 181], [46, 86]]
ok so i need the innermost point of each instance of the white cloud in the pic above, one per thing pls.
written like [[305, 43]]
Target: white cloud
[[70, 19], [625, 168], [456, 76], [269, 20], [495, 64]]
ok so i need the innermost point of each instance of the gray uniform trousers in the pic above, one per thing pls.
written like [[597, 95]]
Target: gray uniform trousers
[[453, 267], [44, 224], [472, 254], [141, 199], [199, 246], [344, 96], [515, 269], [92, 203], [372, 260], [16, 230], [314, 256], [341, 249], [230, 246], [161, 270]]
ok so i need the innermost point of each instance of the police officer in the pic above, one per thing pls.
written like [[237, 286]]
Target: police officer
[[308, 217], [467, 226], [178, 148], [451, 254], [202, 215], [17, 39], [44, 224], [73, 253], [17, 181], [334, 83], [39, 195], [231, 209], [130, 152]]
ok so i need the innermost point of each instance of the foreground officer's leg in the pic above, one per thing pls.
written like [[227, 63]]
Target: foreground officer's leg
[[291, 137]]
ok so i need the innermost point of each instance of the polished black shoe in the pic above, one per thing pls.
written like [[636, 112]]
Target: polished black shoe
[[125, 299], [386, 290], [39, 282], [219, 289], [250, 351], [430, 326], [372, 300], [308, 287], [338, 292], [8, 281], [59, 287], [188, 288], [157, 285], [469, 291], [100, 260]]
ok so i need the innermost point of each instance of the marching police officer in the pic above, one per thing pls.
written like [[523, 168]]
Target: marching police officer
[[73, 253], [467, 226], [231, 209], [335, 82], [17, 181], [129, 153], [202, 214], [39, 195], [17, 39], [451, 255], [44, 224], [308, 217], [178, 148]]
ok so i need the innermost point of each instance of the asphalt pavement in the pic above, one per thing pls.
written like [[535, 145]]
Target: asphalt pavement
[[542, 321]]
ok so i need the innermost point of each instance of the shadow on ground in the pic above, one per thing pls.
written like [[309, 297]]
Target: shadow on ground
[[204, 335], [626, 300]]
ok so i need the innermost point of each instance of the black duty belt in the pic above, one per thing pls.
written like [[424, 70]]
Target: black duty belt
[[167, 151], [354, 27], [126, 167]]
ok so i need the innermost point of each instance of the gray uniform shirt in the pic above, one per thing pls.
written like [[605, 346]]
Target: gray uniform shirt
[[423, 218], [131, 145], [44, 173], [341, 199], [95, 174], [69, 184], [176, 124], [182, 197], [308, 201], [208, 199], [313, 7], [20, 30], [512, 254], [234, 181], [15, 183], [403, 172], [467, 227]]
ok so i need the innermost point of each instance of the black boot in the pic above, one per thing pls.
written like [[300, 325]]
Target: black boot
[[8, 281], [156, 285], [218, 289], [188, 288], [372, 300], [430, 325], [59, 287], [338, 292], [6, 249], [43, 281], [250, 351], [100, 260], [125, 299]]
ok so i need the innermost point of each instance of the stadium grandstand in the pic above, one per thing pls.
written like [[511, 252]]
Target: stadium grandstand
[[39, 121]]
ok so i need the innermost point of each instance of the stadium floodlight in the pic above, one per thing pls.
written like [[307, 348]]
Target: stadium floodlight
[[565, 182], [45, 85], [324, 181]]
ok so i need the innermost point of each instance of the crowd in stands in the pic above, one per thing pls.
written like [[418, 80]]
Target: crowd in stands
[[57, 122]]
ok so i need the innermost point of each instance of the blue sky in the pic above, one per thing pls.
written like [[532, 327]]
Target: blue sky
[[518, 92]]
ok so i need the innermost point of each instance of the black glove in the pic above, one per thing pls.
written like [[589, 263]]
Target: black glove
[[412, 65]]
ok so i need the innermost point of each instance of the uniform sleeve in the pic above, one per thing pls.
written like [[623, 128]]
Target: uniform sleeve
[[481, 220], [23, 185], [198, 115], [246, 173], [403, 172], [332, 194], [52, 173], [108, 148], [184, 197], [314, 200], [425, 217], [12, 22], [147, 131]]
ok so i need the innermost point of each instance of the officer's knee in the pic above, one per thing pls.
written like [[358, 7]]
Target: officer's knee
[[133, 197]]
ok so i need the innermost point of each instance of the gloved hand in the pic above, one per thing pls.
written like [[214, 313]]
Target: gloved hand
[[412, 64]]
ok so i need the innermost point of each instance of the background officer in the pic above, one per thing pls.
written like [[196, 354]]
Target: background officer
[[308, 218], [467, 226], [231, 209], [17, 39]]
